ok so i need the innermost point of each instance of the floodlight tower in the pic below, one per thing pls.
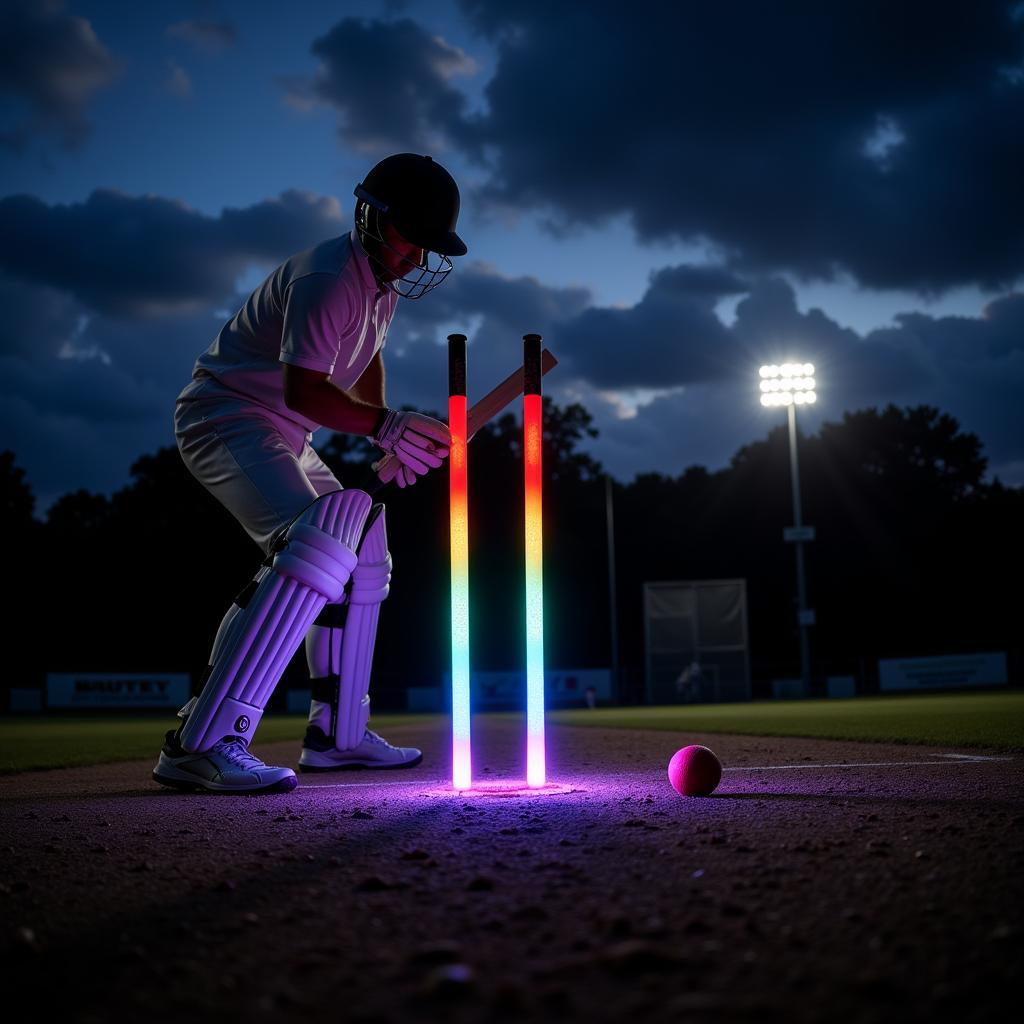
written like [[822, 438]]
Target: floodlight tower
[[792, 384]]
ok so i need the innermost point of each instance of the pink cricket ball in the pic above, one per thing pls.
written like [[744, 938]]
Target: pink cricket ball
[[694, 771]]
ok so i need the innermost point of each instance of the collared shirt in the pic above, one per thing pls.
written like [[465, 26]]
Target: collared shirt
[[321, 309]]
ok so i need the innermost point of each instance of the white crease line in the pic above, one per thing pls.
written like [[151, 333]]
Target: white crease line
[[975, 757], [365, 785], [855, 764]]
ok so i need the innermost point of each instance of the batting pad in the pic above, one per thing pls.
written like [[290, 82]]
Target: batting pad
[[253, 648], [341, 702]]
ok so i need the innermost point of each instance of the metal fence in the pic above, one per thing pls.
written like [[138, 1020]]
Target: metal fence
[[695, 641]]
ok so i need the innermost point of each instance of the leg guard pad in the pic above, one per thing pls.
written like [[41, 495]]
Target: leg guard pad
[[254, 645], [340, 648]]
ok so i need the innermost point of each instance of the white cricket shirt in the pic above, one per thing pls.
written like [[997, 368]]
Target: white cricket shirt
[[321, 309]]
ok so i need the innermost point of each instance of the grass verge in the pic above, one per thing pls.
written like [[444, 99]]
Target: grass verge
[[994, 719], [65, 741]]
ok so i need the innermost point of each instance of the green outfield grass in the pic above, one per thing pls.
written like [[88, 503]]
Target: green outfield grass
[[65, 741], [994, 720]]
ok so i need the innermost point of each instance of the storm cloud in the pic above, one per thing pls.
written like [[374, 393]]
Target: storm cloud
[[51, 65], [884, 140], [391, 83], [147, 255]]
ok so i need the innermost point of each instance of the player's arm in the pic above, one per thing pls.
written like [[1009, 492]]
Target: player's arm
[[370, 386], [311, 393], [420, 442]]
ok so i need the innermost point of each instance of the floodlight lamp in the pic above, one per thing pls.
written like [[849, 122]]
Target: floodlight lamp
[[784, 384]]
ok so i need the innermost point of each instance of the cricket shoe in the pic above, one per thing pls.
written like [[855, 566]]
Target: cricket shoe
[[227, 767], [320, 755]]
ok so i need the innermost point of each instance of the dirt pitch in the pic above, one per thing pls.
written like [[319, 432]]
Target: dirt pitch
[[823, 881]]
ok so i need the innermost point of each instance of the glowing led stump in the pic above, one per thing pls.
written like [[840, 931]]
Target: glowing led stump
[[533, 516], [462, 769]]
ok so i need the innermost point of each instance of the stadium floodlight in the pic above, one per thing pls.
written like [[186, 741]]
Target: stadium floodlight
[[792, 384], [787, 384]]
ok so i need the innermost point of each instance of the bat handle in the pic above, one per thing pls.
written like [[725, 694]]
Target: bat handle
[[373, 482]]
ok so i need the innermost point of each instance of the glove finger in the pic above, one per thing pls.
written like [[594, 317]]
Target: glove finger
[[434, 429], [417, 458], [427, 444], [432, 456], [404, 474]]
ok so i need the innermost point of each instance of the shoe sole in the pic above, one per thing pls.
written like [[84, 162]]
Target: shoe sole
[[356, 766], [281, 786]]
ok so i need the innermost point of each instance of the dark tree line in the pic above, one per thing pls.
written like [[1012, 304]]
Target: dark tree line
[[915, 554]]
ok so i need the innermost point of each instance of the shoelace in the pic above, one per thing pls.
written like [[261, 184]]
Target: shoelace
[[237, 753], [374, 738]]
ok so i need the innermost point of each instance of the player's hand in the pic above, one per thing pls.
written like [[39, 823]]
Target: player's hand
[[391, 468], [420, 443]]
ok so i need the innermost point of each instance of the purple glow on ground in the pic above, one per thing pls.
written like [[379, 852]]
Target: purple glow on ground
[[517, 788], [740, 784]]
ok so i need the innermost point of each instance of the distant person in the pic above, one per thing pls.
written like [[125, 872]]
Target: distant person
[[688, 683], [590, 695], [304, 351]]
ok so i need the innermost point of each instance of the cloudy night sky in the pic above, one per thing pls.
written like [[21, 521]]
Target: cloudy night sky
[[670, 198]]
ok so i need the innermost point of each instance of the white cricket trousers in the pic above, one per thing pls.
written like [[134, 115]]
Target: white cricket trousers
[[260, 466]]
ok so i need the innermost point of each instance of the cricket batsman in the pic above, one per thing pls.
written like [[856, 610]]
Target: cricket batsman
[[304, 351]]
